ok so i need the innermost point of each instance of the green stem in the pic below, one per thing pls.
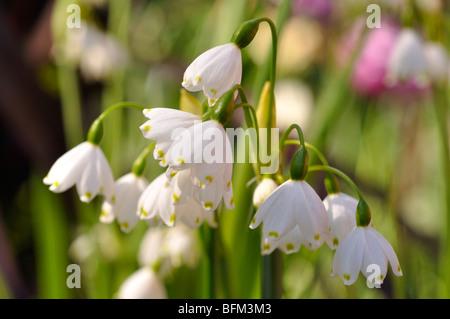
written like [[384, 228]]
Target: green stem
[[340, 174], [310, 147], [120, 105], [440, 105], [286, 134]]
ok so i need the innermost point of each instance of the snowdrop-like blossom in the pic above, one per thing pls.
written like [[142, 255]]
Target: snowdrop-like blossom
[[128, 190], [407, 60], [156, 203], [98, 54], [341, 209], [86, 167], [142, 284], [263, 190], [293, 203], [437, 61], [362, 249], [200, 152], [215, 71]]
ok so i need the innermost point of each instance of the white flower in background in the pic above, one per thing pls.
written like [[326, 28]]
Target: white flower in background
[[407, 60], [215, 71], [97, 53], [293, 203], [128, 190], [289, 243], [199, 151], [437, 61], [295, 103], [362, 247], [142, 284], [86, 167], [193, 214], [169, 248], [341, 209], [263, 190], [156, 201]]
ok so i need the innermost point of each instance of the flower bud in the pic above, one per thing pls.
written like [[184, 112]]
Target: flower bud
[[299, 164], [262, 111], [224, 107], [245, 33], [95, 133], [363, 216]]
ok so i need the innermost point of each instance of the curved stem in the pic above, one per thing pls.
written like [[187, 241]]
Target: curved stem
[[286, 133], [310, 147], [339, 173], [119, 106]]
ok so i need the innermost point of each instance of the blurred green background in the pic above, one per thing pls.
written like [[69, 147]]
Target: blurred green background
[[389, 144]]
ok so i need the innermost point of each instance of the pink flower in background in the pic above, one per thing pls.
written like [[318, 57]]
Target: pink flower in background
[[318, 9], [370, 67]]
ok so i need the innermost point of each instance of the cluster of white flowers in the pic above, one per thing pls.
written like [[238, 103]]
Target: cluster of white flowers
[[293, 215]]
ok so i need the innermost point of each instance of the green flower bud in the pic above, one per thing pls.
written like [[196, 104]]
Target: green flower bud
[[363, 215], [262, 111], [95, 133], [245, 33], [299, 164], [224, 107]]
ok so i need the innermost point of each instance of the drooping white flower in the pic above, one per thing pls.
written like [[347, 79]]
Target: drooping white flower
[[341, 209], [437, 61], [364, 250], [263, 190], [156, 201], [86, 167], [151, 246], [200, 152], [407, 60], [128, 190], [97, 53], [142, 284], [293, 203], [215, 71]]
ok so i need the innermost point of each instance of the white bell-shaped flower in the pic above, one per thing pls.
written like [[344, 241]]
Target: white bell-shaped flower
[[437, 61], [407, 60], [263, 190], [128, 190], [156, 201], [86, 167], [364, 250], [293, 203], [198, 152], [341, 209], [142, 284], [215, 71]]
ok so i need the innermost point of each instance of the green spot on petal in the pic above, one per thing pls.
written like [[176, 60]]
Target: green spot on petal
[[147, 128], [347, 277], [209, 178], [289, 246], [160, 153], [316, 236], [266, 247], [88, 195], [124, 225], [175, 197], [335, 241], [172, 218], [197, 220], [253, 220], [56, 183], [213, 91], [143, 212], [273, 234], [208, 205], [232, 201]]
